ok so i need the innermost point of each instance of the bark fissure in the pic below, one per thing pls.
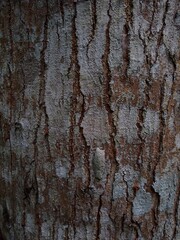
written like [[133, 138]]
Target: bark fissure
[[43, 86], [146, 100], [24, 221], [75, 68], [152, 19], [78, 98], [126, 40], [129, 12], [129, 219], [140, 127], [23, 91], [126, 52], [57, 33], [11, 115], [107, 93], [162, 122], [41, 111], [61, 7], [176, 206], [155, 210], [160, 154], [173, 63], [42, 89], [161, 33], [85, 144], [98, 221]]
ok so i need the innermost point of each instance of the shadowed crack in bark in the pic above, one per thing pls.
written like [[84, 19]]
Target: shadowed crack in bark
[[41, 111], [77, 97], [140, 126], [98, 221], [129, 216], [42, 88], [160, 37], [107, 92], [126, 40]]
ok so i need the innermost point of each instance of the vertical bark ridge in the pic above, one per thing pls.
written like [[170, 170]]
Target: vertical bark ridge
[[162, 121], [11, 32], [74, 213], [94, 24]]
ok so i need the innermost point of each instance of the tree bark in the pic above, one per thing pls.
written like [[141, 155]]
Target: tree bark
[[90, 119]]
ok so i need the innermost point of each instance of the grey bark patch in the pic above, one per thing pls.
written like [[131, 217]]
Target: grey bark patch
[[127, 122], [61, 171], [177, 20], [94, 125], [30, 68], [166, 186], [119, 187], [98, 164], [177, 141], [151, 121], [142, 203]]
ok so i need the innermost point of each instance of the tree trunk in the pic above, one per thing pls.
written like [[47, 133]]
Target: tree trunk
[[90, 119]]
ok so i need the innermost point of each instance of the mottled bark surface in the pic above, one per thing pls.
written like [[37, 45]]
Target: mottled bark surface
[[90, 119]]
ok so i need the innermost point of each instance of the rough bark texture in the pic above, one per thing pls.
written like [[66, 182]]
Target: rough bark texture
[[90, 119]]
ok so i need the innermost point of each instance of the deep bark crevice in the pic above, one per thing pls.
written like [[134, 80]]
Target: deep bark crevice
[[61, 7], [78, 98], [175, 212], [41, 111], [161, 32], [98, 221], [107, 93]]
